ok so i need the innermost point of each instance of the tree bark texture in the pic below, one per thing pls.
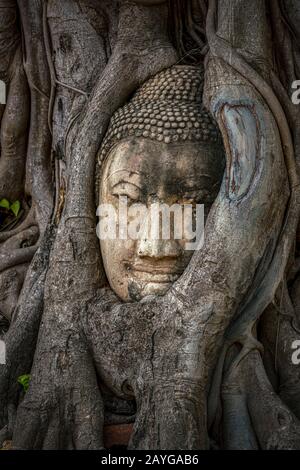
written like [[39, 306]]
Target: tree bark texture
[[209, 364]]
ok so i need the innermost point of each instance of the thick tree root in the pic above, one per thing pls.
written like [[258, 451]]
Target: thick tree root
[[63, 407], [160, 352], [28, 222], [38, 163], [161, 374], [21, 338], [279, 331], [11, 282], [242, 386], [14, 131]]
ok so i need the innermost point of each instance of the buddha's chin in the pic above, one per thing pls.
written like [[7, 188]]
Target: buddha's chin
[[140, 284], [139, 290]]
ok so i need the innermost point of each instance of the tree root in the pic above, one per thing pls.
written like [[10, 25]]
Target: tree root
[[246, 382], [28, 222], [25, 238], [11, 282], [38, 164], [21, 338], [279, 330], [14, 128], [16, 257], [68, 412]]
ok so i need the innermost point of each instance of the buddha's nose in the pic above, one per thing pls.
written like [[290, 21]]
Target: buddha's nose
[[157, 247]]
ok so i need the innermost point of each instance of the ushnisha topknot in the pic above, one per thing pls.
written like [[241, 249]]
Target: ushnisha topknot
[[167, 108]]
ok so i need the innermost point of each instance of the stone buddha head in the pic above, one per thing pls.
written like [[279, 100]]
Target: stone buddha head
[[162, 147]]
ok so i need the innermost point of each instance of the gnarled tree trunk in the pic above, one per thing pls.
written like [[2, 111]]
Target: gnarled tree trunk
[[209, 364]]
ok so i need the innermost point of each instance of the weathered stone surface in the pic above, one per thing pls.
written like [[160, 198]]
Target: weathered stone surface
[[206, 364]]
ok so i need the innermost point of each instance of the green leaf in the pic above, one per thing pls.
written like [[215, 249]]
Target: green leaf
[[15, 208], [4, 203], [24, 380]]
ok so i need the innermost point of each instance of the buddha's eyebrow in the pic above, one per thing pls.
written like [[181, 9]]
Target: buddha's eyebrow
[[119, 177], [122, 181]]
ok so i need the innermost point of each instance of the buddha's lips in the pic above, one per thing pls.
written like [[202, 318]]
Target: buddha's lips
[[156, 274], [156, 278]]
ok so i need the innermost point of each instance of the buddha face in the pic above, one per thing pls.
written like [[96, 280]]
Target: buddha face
[[148, 172]]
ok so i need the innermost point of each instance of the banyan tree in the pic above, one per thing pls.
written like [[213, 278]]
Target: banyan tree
[[179, 101]]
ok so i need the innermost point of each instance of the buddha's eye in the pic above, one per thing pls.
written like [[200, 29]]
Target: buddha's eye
[[126, 189]]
